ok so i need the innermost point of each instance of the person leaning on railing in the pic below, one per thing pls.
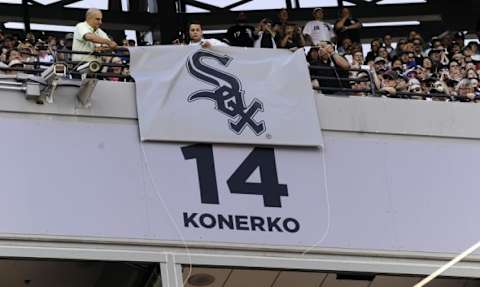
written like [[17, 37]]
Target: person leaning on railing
[[195, 36], [88, 37], [332, 69]]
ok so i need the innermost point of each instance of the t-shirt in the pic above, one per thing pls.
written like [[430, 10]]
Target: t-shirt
[[353, 34], [80, 44], [319, 31], [241, 35], [265, 40]]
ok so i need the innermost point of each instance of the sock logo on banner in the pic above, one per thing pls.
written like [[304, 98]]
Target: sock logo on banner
[[229, 99]]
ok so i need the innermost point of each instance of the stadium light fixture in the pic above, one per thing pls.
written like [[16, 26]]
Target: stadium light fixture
[[208, 32], [391, 24], [39, 27], [383, 2]]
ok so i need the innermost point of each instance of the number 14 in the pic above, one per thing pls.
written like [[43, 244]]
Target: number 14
[[263, 158]]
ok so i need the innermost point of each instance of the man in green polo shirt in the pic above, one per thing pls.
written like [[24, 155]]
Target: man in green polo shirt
[[88, 36]]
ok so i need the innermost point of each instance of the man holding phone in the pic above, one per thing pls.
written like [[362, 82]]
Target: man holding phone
[[333, 69]]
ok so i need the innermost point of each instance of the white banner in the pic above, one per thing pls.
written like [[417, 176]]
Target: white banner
[[224, 95]]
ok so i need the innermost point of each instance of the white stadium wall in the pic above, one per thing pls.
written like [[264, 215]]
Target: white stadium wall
[[374, 188]]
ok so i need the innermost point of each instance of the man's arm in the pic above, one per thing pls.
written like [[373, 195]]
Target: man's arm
[[340, 24], [341, 62], [301, 42], [99, 40], [307, 31], [357, 25], [229, 36], [283, 42]]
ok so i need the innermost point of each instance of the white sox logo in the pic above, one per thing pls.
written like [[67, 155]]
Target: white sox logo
[[229, 99]]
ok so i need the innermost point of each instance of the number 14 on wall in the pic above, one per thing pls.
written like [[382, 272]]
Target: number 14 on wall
[[262, 158]]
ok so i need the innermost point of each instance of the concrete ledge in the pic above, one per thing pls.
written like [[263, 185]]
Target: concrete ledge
[[109, 99], [399, 116]]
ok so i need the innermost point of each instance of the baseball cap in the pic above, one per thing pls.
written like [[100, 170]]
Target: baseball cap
[[69, 36], [316, 9], [379, 59]]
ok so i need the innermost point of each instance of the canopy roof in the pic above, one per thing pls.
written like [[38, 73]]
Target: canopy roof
[[395, 17]]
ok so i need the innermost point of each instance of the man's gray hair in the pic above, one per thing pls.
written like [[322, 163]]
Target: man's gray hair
[[91, 11]]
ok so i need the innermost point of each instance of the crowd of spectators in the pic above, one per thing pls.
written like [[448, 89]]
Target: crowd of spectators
[[442, 68], [34, 53]]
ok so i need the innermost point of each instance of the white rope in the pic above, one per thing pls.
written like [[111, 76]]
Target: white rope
[[327, 202], [169, 214]]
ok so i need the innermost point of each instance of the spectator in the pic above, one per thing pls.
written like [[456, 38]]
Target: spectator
[[387, 43], [88, 37], [402, 84], [292, 39], [418, 50], [14, 64], [389, 83], [427, 65], [66, 44], [346, 47], [312, 56], [422, 74], [438, 57], [44, 56], [374, 46], [400, 47], [397, 64], [241, 35], [195, 33], [265, 35], [411, 35], [465, 89], [347, 27], [282, 20], [455, 71], [380, 65], [473, 48], [361, 84], [357, 60], [459, 38], [382, 52], [317, 30], [333, 69], [116, 70], [14, 54], [414, 86], [471, 74]]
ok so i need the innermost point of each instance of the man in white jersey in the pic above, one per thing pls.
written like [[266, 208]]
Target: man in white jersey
[[317, 30], [196, 37], [88, 37]]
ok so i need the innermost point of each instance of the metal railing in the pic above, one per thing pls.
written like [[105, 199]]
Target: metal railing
[[338, 87], [37, 67]]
